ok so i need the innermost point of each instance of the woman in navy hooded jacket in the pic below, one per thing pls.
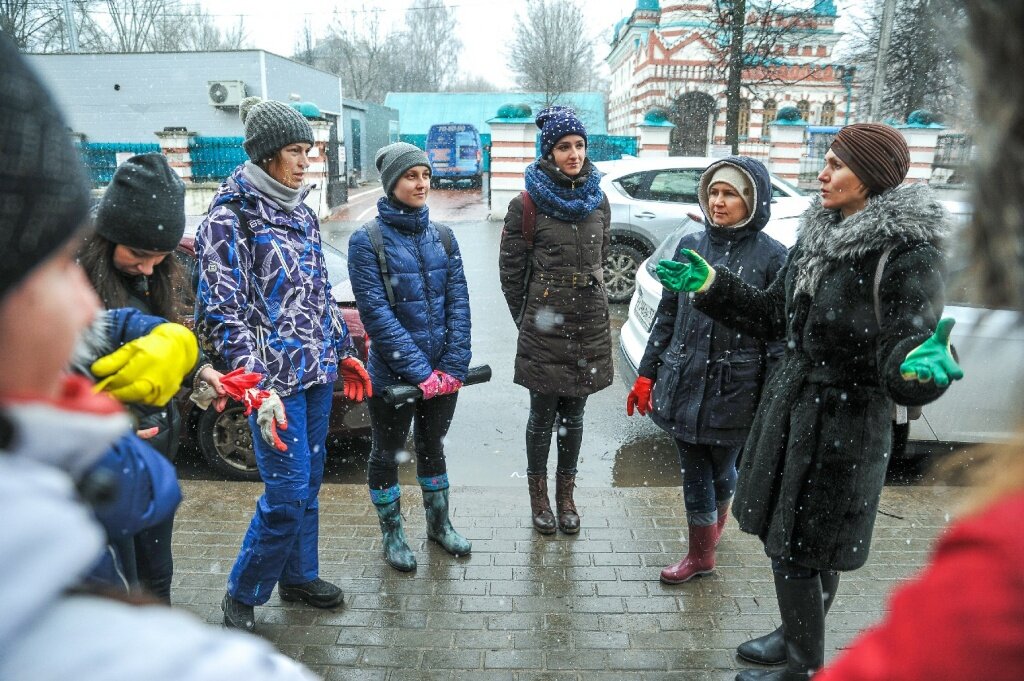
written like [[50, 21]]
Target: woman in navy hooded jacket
[[419, 326], [701, 380]]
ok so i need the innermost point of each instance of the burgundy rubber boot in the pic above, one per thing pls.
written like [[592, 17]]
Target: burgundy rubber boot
[[699, 560]]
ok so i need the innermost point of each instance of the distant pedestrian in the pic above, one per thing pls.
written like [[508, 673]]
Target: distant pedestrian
[[700, 379], [554, 286], [130, 263], [264, 305], [410, 288], [815, 460]]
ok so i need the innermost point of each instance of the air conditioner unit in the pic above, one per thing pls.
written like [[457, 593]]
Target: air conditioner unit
[[225, 92]]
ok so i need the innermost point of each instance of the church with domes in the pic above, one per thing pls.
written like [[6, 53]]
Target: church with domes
[[668, 54]]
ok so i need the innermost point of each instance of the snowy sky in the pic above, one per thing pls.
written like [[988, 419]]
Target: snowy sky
[[486, 24]]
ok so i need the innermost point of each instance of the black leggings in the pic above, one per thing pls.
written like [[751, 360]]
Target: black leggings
[[390, 428], [543, 409]]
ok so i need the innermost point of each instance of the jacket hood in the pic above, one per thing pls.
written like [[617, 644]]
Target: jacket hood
[[758, 176], [905, 214]]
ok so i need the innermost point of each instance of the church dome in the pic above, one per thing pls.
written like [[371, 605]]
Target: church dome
[[648, 5]]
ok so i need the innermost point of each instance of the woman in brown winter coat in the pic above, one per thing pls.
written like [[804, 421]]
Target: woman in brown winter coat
[[552, 250]]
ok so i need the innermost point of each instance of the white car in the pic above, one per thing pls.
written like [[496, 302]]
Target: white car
[[982, 407], [650, 198]]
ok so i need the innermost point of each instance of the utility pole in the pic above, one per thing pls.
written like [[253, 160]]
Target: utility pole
[[69, 21], [878, 86]]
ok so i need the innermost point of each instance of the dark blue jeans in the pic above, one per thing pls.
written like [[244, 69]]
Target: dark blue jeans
[[281, 542], [709, 479]]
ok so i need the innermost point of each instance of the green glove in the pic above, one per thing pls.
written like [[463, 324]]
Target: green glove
[[148, 369], [685, 276], [932, 360]]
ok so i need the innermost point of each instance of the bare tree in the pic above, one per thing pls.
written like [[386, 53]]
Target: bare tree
[[191, 29], [472, 84], [551, 52], [23, 20], [923, 69], [132, 22], [430, 48], [360, 53], [746, 48]]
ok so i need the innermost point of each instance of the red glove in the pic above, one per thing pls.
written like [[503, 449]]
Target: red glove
[[356, 381], [431, 386], [449, 384], [238, 383], [640, 397]]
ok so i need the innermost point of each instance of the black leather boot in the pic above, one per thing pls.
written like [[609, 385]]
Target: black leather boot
[[319, 593], [568, 516], [771, 648], [803, 624], [237, 615]]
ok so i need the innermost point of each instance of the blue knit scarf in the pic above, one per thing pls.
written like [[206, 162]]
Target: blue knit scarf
[[562, 202]]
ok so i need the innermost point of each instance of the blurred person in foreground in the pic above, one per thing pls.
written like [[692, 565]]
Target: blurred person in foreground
[[53, 428], [814, 463], [962, 617], [701, 380]]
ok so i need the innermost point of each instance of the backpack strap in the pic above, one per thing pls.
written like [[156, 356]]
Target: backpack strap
[[445, 232], [900, 414], [529, 227], [373, 230]]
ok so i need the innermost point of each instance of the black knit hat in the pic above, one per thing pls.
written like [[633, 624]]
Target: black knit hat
[[43, 195], [144, 205], [270, 126]]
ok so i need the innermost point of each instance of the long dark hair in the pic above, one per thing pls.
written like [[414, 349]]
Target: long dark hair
[[115, 287]]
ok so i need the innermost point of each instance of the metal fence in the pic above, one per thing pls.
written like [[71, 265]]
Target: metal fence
[[213, 158], [817, 142], [758, 150], [100, 158], [954, 150], [606, 147]]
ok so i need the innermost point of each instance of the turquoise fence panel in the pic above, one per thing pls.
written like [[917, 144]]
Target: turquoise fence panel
[[100, 158], [415, 140], [606, 147], [213, 158]]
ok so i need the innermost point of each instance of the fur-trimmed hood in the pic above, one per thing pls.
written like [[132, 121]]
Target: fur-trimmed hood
[[906, 214]]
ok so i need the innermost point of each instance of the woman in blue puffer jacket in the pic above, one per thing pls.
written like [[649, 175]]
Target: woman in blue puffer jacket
[[418, 320]]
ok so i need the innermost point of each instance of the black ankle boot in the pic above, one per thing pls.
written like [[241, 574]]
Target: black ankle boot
[[237, 615], [318, 593]]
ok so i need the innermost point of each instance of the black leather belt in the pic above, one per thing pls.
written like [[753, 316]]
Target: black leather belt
[[572, 280]]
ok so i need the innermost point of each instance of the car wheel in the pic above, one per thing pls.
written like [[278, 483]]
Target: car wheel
[[226, 443], [620, 267]]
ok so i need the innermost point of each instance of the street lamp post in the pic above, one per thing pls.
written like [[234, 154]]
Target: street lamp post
[[846, 74]]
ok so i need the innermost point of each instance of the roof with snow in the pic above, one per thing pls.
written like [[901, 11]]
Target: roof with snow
[[420, 110]]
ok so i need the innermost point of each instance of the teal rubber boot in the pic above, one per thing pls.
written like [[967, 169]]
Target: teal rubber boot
[[396, 549], [439, 527]]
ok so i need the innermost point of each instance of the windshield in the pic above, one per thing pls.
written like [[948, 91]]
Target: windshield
[[666, 249]]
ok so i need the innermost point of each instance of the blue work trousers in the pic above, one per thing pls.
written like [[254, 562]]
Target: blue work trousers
[[280, 545]]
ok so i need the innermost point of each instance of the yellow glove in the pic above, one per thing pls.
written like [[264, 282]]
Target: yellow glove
[[148, 369]]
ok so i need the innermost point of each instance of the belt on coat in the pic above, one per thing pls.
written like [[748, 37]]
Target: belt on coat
[[572, 280]]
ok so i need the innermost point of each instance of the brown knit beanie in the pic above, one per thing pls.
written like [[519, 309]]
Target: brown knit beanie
[[877, 154]]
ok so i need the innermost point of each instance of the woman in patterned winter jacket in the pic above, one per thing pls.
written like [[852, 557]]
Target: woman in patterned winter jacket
[[264, 305]]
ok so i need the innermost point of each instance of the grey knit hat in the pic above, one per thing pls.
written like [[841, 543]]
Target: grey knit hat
[[395, 159], [144, 205], [270, 126], [44, 198]]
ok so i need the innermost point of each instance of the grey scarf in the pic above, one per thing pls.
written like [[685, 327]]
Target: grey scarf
[[286, 197], [906, 214]]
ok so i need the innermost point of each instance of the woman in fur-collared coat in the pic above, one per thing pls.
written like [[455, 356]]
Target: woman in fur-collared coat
[[815, 460]]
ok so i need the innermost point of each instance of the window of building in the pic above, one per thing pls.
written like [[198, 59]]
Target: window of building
[[804, 107], [771, 109], [828, 113], [743, 119]]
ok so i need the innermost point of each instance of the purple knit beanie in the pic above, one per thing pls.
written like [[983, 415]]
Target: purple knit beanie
[[555, 122]]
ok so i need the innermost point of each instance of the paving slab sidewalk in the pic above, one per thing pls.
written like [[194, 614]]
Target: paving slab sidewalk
[[524, 606]]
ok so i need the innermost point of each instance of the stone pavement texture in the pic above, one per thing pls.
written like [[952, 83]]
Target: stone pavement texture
[[524, 606]]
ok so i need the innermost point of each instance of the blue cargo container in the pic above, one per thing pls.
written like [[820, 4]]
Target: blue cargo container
[[455, 153]]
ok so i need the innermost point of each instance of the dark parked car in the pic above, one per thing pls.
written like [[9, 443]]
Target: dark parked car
[[224, 438]]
